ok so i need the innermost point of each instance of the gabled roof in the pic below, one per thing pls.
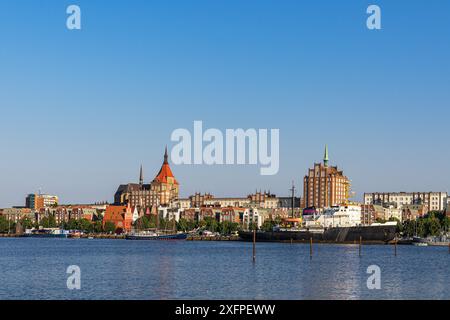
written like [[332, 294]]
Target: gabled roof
[[165, 171]]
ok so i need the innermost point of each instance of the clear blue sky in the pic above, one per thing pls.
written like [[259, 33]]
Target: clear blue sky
[[81, 110]]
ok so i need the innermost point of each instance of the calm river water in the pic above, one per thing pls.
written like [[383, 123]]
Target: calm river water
[[119, 269]]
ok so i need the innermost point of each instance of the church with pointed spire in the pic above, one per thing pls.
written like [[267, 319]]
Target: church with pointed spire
[[163, 190], [324, 185], [165, 187]]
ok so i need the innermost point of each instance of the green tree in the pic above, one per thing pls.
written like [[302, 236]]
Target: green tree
[[72, 224], [252, 226], [202, 224], [84, 225], [142, 223], [408, 228], [227, 227], [421, 228], [183, 225], [151, 221], [445, 224], [26, 223], [211, 224], [4, 225], [110, 227], [96, 227], [433, 227], [48, 222], [268, 225]]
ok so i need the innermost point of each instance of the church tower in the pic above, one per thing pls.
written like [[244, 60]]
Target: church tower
[[165, 187]]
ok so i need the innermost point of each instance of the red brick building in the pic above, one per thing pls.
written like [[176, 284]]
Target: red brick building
[[121, 216]]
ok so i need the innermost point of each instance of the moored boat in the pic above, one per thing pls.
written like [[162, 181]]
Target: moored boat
[[156, 236], [368, 234], [46, 233]]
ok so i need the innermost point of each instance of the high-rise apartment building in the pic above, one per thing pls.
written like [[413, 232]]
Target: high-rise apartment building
[[38, 201], [325, 186]]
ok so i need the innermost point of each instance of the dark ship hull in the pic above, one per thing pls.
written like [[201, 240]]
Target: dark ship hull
[[368, 234], [175, 236]]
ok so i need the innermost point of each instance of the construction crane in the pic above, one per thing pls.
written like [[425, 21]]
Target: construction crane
[[348, 193]]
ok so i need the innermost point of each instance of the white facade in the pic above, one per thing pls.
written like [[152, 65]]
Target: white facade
[[135, 214], [169, 213], [392, 212], [49, 200], [433, 200], [338, 216], [183, 203], [228, 202], [251, 215]]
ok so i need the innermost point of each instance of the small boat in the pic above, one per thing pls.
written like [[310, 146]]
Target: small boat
[[420, 244], [156, 236], [47, 233]]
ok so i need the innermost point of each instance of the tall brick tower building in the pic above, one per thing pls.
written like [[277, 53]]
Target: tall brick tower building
[[165, 187], [325, 186]]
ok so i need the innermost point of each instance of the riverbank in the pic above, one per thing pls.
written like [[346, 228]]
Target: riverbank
[[237, 238]]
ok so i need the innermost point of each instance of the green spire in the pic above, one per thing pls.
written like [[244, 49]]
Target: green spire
[[325, 156]]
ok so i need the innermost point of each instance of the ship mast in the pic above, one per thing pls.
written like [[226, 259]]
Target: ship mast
[[293, 198]]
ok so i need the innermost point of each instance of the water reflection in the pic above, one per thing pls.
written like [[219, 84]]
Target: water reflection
[[114, 269]]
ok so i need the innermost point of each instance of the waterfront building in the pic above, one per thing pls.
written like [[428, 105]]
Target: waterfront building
[[184, 203], [435, 201], [165, 187], [447, 206], [16, 214], [413, 211], [190, 214], [234, 215], [392, 212], [64, 213], [123, 193], [265, 200], [227, 202], [258, 199], [169, 213], [325, 186], [370, 213], [162, 191], [82, 212], [251, 217], [38, 201], [136, 214], [121, 216], [280, 213], [198, 200], [208, 212]]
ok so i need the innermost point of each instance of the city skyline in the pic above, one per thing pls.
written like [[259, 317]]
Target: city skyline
[[141, 180], [82, 110]]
